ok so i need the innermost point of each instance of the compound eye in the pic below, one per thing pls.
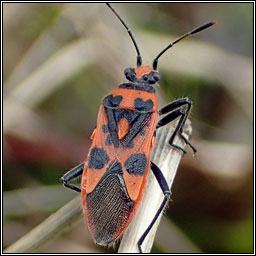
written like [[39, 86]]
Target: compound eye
[[145, 78], [130, 74], [156, 76], [127, 71]]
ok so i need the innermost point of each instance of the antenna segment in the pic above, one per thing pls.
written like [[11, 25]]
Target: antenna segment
[[196, 30], [139, 59]]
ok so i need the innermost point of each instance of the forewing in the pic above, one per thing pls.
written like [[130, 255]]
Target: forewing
[[116, 171]]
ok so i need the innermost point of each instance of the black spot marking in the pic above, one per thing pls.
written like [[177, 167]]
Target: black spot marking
[[112, 126], [108, 140], [130, 144], [136, 164], [138, 124], [105, 128], [142, 132], [139, 87], [98, 158], [112, 102], [130, 115], [142, 105]]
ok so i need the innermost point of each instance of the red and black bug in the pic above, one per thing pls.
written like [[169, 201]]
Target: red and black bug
[[115, 172]]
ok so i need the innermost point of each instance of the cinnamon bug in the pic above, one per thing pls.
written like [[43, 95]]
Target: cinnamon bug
[[114, 174]]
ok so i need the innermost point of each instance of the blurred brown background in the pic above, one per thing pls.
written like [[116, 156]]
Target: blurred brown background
[[60, 59]]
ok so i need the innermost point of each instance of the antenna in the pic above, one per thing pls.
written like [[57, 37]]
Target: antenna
[[139, 59], [196, 30]]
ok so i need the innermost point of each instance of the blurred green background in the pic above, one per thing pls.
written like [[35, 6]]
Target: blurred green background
[[60, 59]]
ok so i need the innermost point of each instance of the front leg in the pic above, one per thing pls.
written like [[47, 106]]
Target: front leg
[[175, 110], [175, 105]]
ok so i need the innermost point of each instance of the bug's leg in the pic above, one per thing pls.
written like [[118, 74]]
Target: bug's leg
[[166, 191], [72, 174], [170, 117], [176, 104], [175, 110]]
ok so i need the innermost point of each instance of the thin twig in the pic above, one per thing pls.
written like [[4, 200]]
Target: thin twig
[[163, 155]]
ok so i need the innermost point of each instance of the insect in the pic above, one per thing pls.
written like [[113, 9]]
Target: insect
[[115, 171]]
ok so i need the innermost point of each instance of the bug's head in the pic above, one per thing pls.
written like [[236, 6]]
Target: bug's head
[[142, 74]]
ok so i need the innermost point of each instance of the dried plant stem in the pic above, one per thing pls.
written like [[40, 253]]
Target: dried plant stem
[[48, 229], [168, 160], [163, 155]]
